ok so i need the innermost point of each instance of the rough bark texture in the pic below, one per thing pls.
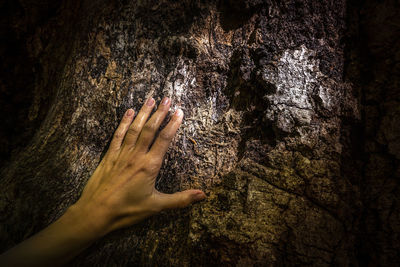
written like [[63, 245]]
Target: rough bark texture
[[290, 125]]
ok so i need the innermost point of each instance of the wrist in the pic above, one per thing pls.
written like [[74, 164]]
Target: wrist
[[86, 222]]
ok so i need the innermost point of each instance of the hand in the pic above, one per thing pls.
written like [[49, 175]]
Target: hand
[[121, 190]]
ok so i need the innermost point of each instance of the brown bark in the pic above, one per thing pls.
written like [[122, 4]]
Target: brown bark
[[288, 126]]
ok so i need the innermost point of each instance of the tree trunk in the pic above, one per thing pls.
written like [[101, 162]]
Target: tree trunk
[[286, 126]]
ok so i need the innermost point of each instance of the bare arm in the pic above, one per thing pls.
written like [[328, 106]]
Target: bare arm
[[120, 192]]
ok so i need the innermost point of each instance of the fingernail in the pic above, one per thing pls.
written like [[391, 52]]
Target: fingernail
[[129, 112], [178, 112], [150, 101], [199, 196], [165, 101]]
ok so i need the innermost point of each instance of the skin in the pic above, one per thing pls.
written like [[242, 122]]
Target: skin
[[120, 192]]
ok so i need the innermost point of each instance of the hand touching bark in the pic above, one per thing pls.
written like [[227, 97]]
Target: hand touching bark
[[121, 190]]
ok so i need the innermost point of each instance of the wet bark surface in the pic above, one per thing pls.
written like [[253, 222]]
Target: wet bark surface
[[290, 125]]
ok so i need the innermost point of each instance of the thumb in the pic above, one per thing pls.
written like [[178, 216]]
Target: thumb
[[179, 199]]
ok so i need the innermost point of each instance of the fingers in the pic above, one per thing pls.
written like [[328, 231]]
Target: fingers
[[152, 125], [137, 125], [160, 146], [178, 199], [119, 134]]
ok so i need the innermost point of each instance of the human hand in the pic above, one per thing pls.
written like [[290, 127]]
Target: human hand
[[121, 190]]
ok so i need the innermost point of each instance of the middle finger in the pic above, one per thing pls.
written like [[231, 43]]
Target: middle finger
[[136, 127], [152, 125]]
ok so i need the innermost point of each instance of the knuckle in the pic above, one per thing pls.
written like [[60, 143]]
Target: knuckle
[[150, 170], [182, 203], [118, 135], [186, 202], [165, 136], [147, 109], [125, 120], [149, 127], [176, 119], [133, 130], [152, 165]]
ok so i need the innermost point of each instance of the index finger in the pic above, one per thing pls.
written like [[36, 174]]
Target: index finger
[[161, 144]]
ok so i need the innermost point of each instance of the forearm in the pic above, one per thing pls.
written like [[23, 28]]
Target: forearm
[[58, 243]]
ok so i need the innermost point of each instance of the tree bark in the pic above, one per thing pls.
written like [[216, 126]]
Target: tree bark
[[282, 127]]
